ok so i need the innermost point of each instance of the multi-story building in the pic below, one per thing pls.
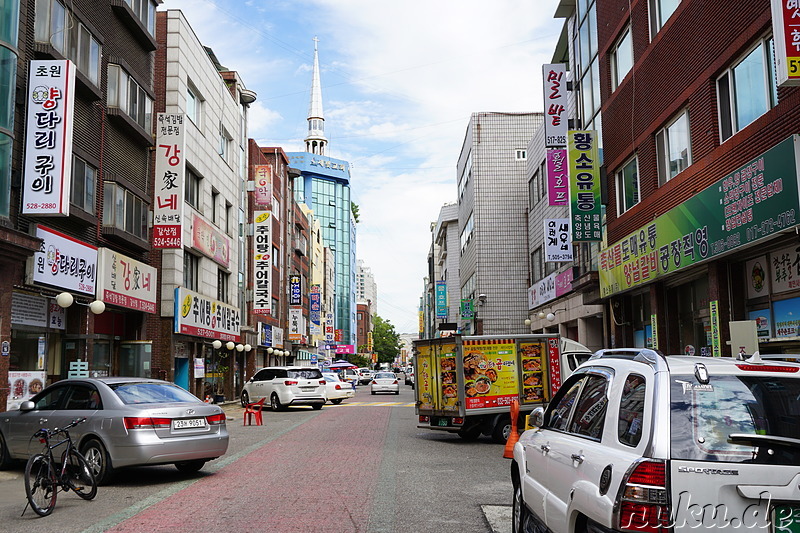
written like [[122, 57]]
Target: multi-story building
[[366, 288], [74, 158], [702, 176], [201, 132], [492, 221], [444, 313], [267, 279], [564, 296], [324, 186]]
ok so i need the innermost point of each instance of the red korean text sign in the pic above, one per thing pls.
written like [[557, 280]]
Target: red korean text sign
[[169, 181]]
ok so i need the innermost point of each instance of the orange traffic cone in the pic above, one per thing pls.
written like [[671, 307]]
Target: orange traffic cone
[[508, 452]]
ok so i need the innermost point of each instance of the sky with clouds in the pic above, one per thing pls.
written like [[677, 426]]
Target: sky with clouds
[[399, 82]]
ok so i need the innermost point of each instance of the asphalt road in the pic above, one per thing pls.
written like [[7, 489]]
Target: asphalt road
[[362, 466]]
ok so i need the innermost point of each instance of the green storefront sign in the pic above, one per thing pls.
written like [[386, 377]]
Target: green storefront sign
[[756, 201], [584, 185]]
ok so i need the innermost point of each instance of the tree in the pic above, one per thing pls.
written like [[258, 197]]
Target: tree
[[385, 340], [354, 210]]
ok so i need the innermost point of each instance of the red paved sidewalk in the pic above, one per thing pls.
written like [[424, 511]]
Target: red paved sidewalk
[[319, 477]]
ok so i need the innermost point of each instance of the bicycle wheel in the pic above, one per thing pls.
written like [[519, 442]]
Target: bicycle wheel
[[79, 476], [41, 486]]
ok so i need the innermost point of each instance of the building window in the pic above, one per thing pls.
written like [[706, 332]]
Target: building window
[[520, 154], [193, 104], [124, 210], [536, 265], [673, 146], [84, 182], [58, 26], [621, 58], [225, 141], [228, 218], [660, 12], [191, 271], [465, 176], [466, 233], [215, 207], [222, 286], [124, 93], [747, 90], [627, 186], [275, 258], [145, 10], [192, 190]]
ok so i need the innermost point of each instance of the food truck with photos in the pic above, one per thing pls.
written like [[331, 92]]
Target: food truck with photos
[[465, 384]]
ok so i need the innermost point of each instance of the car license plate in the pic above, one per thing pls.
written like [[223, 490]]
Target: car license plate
[[185, 423], [786, 519], [307, 389], [442, 422]]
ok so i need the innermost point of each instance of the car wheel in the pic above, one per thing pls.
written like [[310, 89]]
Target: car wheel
[[470, 433], [275, 402], [501, 430], [5, 458], [190, 467], [337, 401], [316, 406], [519, 513], [95, 454], [245, 398], [373, 392], [397, 392]]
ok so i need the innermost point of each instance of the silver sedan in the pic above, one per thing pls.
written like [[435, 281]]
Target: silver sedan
[[130, 422], [384, 382]]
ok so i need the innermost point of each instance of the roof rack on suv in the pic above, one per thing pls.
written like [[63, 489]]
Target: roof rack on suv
[[647, 356]]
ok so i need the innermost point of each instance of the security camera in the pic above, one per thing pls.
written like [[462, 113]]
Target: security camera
[[481, 298]]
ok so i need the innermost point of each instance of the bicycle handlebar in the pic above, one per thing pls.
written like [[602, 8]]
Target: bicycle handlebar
[[44, 432]]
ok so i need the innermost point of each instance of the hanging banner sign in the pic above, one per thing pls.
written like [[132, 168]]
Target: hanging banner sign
[[262, 263], [467, 309], [202, 316], [263, 185], [557, 177], [751, 203], [330, 335], [48, 138], [295, 297], [65, 262], [557, 244], [210, 241], [584, 185], [126, 282], [296, 324], [170, 175], [315, 310], [441, 299], [554, 77]]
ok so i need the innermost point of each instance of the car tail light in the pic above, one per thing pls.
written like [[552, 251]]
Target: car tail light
[[424, 418], [374, 382], [458, 421], [146, 422], [644, 505], [338, 387], [768, 368], [289, 383], [322, 382], [216, 420], [394, 382]]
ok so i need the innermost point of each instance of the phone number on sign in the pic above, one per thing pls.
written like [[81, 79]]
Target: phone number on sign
[[37, 205]]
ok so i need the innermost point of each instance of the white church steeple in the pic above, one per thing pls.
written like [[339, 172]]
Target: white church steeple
[[316, 143]]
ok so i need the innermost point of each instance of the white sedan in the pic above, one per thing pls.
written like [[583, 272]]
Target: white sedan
[[384, 382], [337, 390]]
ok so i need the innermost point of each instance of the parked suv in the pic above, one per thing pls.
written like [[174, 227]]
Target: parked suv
[[636, 441], [286, 385]]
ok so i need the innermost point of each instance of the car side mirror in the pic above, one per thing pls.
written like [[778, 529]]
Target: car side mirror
[[536, 418], [27, 405]]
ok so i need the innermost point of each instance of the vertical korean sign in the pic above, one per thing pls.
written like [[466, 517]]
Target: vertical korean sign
[[48, 138], [295, 296], [315, 311], [786, 33], [584, 185], [169, 181], [555, 104], [441, 299], [263, 185], [557, 244], [557, 177], [262, 263]]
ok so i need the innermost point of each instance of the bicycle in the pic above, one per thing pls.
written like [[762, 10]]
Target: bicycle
[[44, 475]]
